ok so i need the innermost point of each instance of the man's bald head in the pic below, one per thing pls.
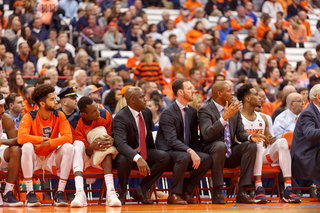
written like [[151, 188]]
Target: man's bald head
[[135, 98], [219, 86], [295, 103], [289, 89]]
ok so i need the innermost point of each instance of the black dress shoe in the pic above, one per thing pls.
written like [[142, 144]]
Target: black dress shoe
[[188, 198], [122, 198], [141, 196], [218, 198], [176, 199], [243, 198]]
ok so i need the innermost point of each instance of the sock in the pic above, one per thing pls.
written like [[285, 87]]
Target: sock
[[9, 187], [287, 183], [29, 185], [108, 178], [257, 183], [62, 185], [79, 183]]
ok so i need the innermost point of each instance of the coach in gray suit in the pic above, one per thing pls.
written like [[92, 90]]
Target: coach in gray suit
[[220, 125]]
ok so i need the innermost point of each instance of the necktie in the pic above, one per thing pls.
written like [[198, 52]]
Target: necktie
[[227, 138], [15, 122], [142, 134], [186, 126]]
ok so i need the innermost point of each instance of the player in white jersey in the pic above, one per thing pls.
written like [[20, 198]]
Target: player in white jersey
[[274, 151], [10, 156]]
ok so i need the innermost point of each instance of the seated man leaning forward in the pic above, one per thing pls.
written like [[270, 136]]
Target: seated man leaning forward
[[87, 149], [46, 138]]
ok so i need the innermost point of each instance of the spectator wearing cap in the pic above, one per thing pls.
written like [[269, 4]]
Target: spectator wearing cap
[[224, 30], [163, 60], [248, 8], [68, 99], [161, 26], [93, 92], [185, 23], [133, 62], [241, 22], [199, 16], [263, 26], [271, 7], [192, 5], [173, 49], [23, 57], [20, 11], [124, 73], [92, 25], [113, 39], [116, 83], [294, 9], [209, 50], [246, 68], [50, 58], [181, 37]]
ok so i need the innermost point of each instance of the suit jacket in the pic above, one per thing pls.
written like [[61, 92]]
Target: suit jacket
[[306, 145], [251, 74], [126, 134], [212, 130], [170, 134]]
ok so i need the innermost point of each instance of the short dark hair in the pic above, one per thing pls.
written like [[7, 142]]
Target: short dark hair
[[243, 91], [41, 92], [11, 98], [171, 36], [83, 102], [255, 43], [301, 89], [234, 51], [178, 84], [259, 80], [318, 48], [218, 60], [26, 91], [285, 64], [42, 79], [192, 71]]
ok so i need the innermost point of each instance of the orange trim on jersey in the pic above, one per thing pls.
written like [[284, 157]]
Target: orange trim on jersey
[[269, 158]]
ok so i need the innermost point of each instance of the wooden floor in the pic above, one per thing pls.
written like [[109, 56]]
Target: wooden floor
[[304, 207]]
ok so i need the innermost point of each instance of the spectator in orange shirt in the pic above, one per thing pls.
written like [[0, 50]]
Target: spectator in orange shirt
[[263, 26], [267, 107], [207, 41], [228, 46], [195, 35], [280, 15], [278, 53], [133, 62], [46, 139], [307, 6], [303, 18], [238, 44], [218, 52], [3, 20], [28, 102], [297, 32], [178, 65], [47, 8], [192, 5], [199, 50], [241, 22], [167, 88]]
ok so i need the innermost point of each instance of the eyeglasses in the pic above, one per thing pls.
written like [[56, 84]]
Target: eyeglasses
[[299, 101]]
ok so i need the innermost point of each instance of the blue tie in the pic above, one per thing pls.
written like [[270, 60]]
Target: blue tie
[[186, 126], [227, 138]]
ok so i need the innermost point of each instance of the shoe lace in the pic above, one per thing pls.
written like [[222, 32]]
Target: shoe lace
[[113, 193]]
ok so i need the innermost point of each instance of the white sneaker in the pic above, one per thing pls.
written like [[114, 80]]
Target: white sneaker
[[80, 200], [113, 200]]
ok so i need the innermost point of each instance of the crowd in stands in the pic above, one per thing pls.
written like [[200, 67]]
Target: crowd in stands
[[36, 49]]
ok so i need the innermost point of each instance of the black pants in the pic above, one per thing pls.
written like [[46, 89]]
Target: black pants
[[243, 155], [157, 161], [181, 163]]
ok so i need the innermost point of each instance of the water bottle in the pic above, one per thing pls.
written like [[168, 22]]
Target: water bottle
[[22, 185], [286, 37], [313, 191], [301, 42], [223, 190], [37, 184]]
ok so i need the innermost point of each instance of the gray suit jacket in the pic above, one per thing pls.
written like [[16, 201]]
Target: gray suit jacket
[[211, 129]]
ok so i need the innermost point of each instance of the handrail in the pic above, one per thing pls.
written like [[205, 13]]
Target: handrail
[[90, 42]]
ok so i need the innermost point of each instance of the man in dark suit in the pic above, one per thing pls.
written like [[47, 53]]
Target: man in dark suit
[[178, 135], [220, 125], [306, 141], [134, 141]]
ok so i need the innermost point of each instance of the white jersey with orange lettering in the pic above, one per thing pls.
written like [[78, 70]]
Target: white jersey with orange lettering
[[252, 126]]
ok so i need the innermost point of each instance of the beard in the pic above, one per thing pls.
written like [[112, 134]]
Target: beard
[[189, 98], [50, 108]]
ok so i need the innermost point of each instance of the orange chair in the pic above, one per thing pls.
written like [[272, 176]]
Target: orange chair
[[288, 136]]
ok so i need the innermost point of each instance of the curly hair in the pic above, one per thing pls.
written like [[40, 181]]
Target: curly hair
[[111, 100], [41, 92], [243, 91]]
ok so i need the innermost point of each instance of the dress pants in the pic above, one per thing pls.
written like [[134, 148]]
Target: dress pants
[[243, 155], [157, 161], [181, 163]]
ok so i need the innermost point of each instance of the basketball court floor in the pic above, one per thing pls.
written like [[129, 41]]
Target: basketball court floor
[[304, 207]]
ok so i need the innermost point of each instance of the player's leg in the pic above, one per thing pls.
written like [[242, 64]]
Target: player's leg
[[64, 159], [111, 196], [27, 163], [80, 199], [11, 159], [260, 196], [279, 151]]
